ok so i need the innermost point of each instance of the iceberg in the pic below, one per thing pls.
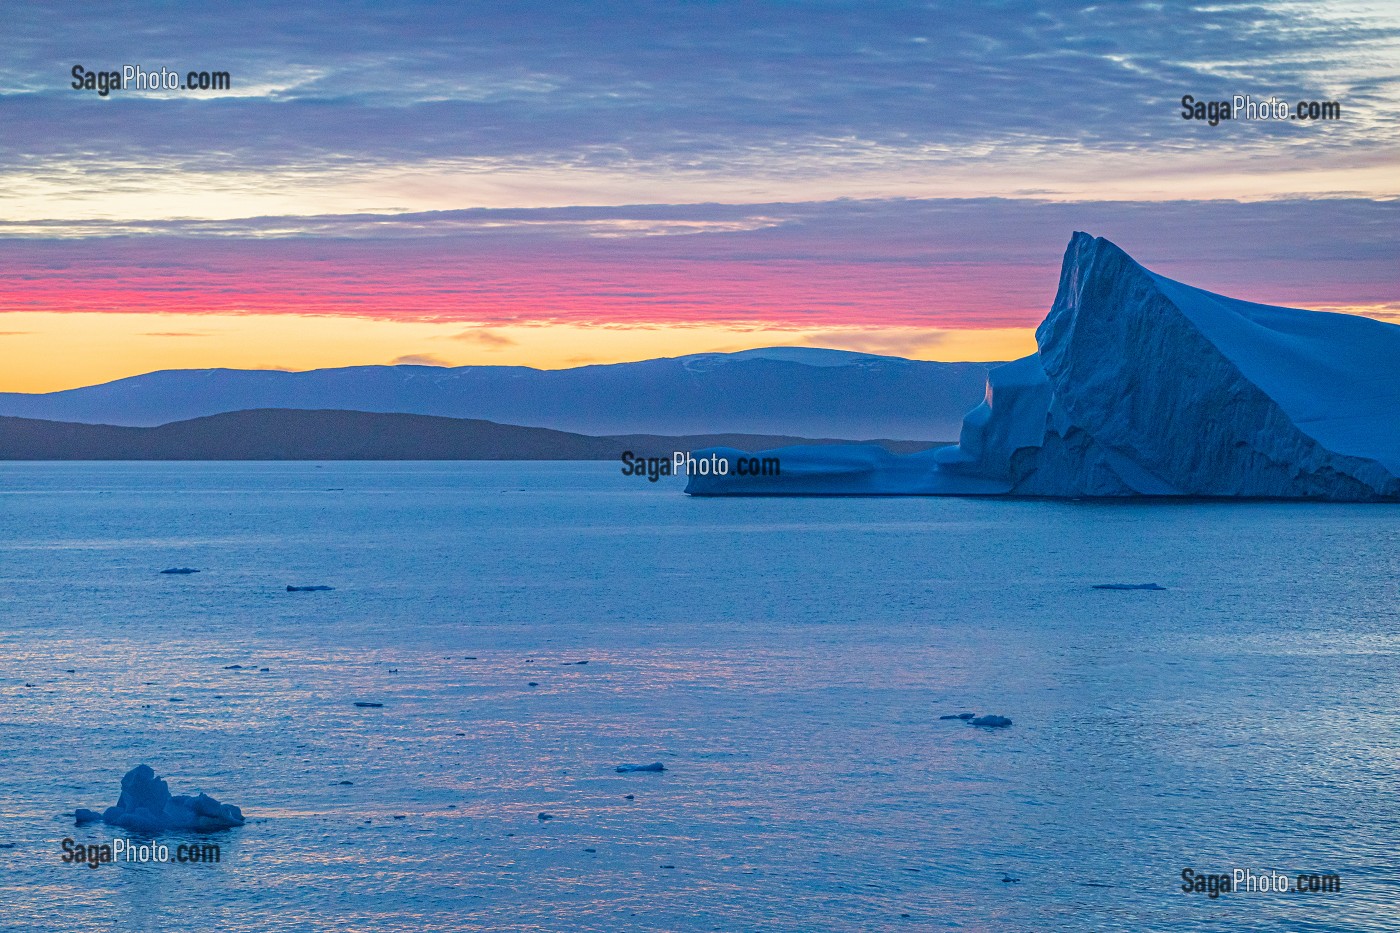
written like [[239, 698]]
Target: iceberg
[[1143, 386], [146, 806]]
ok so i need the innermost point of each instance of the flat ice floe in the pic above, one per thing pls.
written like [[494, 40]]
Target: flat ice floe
[[1143, 386]]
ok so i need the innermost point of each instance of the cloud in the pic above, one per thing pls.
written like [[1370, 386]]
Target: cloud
[[912, 265], [878, 342], [730, 90], [485, 337], [419, 359]]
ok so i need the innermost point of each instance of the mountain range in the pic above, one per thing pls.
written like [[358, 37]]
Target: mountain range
[[292, 434], [791, 391]]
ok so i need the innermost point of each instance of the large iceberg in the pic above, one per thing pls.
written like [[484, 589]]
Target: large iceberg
[[1143, 386]]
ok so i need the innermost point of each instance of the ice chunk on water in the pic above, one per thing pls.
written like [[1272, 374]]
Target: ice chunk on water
[[146, 805]]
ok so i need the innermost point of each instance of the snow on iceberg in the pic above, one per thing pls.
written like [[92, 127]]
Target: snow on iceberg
[[146, 806], [1143, 386]]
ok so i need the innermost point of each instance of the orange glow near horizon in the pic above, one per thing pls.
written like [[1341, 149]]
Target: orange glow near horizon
[[51, 351]]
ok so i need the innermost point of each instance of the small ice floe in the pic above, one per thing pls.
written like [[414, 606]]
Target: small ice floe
[[146, 806], [958, 716], [366, 704], [308, 589], [990, 722], [180, 570], [639, 769], [1128, 586]]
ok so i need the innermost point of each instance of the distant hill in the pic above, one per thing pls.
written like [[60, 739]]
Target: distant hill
[[293, 434], [781, 390]]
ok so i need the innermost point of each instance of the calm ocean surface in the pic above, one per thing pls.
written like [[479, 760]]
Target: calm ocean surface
[[787, 659]]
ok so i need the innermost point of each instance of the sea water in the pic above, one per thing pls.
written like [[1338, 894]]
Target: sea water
[[787, 660]]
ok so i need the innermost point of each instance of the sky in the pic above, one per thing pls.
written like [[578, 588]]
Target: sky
[[556, 185]]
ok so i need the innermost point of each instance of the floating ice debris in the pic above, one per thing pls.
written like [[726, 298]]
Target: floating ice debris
[[145, 805], [990, 722], [308, 589], [1128, 586], [634, 769], [365, 704], [180, 570], [958, 716]]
